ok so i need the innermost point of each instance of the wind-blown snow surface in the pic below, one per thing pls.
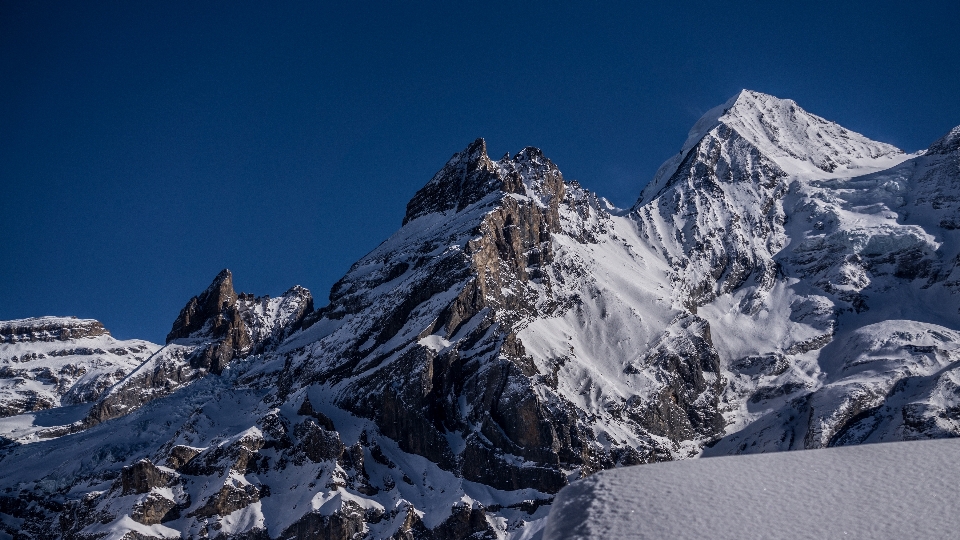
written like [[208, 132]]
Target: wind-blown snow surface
[[892, 490], [782, 284]]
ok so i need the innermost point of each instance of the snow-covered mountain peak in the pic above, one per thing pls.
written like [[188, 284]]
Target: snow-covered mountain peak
[[797, 142], [801, 142], [947, 144]]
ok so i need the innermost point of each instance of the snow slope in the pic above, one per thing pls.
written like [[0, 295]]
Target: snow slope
[[893, 490]]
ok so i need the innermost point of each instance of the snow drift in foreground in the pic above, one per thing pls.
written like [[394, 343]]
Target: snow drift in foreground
[[890, 490]]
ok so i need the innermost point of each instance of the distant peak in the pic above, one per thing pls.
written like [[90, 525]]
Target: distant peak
[[800, 141], [49, 329], [946, 144], [477, 148], [470, 176], [530, 153], [749, 104], [782, 129], [746, 97], [750, 97], [224, 275], [746, 103], [796, 140], [475, 153]]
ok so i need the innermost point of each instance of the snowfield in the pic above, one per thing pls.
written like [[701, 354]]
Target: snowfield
[[890, 490]]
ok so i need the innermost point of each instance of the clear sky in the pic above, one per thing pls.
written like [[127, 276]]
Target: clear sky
[[144, 146]]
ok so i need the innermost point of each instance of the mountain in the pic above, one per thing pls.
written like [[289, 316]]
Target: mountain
[[213, 329], [56, 366], [782, 283]]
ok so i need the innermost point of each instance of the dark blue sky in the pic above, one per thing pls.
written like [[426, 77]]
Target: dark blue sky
[[146, 145]]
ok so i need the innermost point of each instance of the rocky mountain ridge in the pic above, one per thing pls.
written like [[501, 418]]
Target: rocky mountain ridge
[[55, 362], [213, 329], [782, 283], [49, 329]]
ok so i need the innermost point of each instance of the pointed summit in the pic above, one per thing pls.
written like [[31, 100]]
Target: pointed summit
[[208, 307], [802, 142], [946, 144], [466, 178], [797, 141], [470, 176]]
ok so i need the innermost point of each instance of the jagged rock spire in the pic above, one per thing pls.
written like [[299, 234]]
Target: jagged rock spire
[[466, 178], [214, 315], [208, 306], [470, 175]]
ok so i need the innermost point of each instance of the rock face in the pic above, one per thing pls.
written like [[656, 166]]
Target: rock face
[[45, 329], [419, 358], [141, 477], [215, 315], [780, 284], [213, 329]]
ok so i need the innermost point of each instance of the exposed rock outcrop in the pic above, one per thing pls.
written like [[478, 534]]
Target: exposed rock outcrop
[[215, 328], [214, 315], [141, 477], [49, 329]]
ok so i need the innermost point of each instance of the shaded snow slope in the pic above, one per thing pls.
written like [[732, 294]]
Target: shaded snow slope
[[895, 490]]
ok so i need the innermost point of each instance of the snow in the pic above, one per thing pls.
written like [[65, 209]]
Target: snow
[[25, 428], [244, 519], [892, 490], [266, 317], [49, 320], [803, 143], [52, 381], [121, 528], [820, 342], [434, 342], [532, 530], [799, 142]]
